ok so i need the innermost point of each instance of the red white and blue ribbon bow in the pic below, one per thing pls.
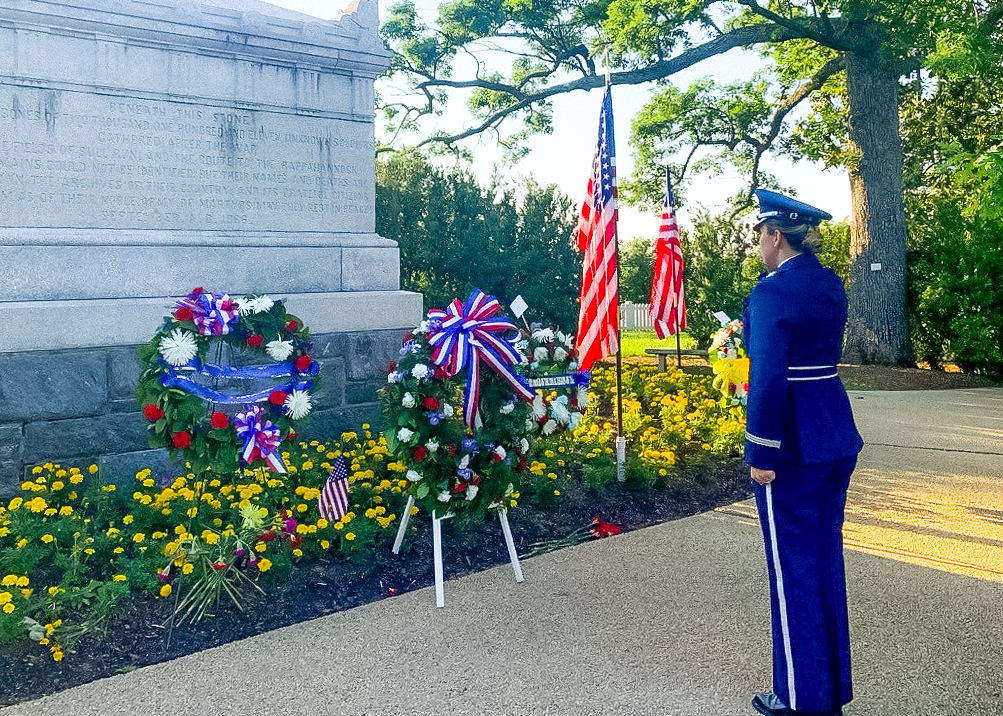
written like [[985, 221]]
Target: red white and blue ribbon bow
[[468, 335], [211, 313], [261, 438]]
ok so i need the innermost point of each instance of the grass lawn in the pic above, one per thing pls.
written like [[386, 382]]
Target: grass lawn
[[634, 342]]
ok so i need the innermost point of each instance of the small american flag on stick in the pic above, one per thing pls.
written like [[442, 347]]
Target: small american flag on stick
[[333, 500]]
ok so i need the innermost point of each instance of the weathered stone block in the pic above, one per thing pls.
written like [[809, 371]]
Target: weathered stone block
[[121, 469], [78, 437], [332, 384], [369, 353], [47, 386], [330, 424], [10, 480], [123, 372], [11, 442], [363, 391]]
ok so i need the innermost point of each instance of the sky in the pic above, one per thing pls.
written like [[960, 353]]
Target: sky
[[564, 158]]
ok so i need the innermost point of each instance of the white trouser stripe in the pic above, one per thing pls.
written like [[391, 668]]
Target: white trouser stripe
[[784, 628]]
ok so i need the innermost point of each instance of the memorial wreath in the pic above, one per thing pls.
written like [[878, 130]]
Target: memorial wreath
[[181, 386], [456, 409]]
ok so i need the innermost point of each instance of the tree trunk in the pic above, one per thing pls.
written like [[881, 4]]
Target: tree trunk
[[877, 328]]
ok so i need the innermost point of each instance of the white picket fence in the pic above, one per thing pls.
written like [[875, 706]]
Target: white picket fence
[[634, 316]]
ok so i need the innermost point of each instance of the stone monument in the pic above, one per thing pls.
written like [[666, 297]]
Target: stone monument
[[150, 147]]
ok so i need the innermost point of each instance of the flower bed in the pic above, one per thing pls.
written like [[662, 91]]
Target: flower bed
[[71, 546]]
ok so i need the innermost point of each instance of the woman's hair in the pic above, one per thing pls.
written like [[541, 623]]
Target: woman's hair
[[801, 237]]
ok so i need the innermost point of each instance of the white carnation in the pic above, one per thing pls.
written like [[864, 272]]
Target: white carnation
[[500, 452], [524, 446], [413, 476], [471, 492], [540, 353], [432, 445], [560, 411], [560, 353], [405, 435], [420, 371], [507, 408], [443, 496], [298, 404], [279, 350], [179, 347], [539, 409], [408, 400], [447, 410], [244, 303], [394, 376], [262, 304], [464, 462], [422, 327]]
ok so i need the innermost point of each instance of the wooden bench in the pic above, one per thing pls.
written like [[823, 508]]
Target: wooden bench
[[662, 353]]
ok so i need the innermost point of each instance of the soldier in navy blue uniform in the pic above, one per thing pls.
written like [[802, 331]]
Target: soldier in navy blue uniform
[[801, 445]]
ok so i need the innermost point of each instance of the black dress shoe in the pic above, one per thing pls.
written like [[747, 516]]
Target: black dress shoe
[[771, 705]]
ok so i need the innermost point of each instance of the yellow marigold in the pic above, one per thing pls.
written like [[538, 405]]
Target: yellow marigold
[[325, 544], [22, 581], [264, 564], [47, 538], [165, 590], [57, 653], [92, 469], [8, 608], [5, 597], [138, 537], [187, 568], [119, 578], [322, 523], [349, 536]]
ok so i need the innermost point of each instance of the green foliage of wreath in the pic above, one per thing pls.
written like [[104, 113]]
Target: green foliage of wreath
[[205, 433]]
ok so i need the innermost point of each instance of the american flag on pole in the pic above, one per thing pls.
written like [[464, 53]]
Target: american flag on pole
[[333, 500], [668, 304], [598, 309]]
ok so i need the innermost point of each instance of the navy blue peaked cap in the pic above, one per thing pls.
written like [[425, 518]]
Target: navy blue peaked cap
[[786, 210]]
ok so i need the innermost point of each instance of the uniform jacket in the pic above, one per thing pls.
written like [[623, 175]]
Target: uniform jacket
[[798, 411]]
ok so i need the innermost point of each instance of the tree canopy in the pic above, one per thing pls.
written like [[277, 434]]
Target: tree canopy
[[845, 57]]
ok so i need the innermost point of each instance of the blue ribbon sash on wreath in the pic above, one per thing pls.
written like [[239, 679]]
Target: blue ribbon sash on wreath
[[171, 379]]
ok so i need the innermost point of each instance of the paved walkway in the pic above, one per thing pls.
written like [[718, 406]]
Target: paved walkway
[[670, 620]]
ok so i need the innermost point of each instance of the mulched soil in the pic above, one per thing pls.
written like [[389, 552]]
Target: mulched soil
[[143, 633]]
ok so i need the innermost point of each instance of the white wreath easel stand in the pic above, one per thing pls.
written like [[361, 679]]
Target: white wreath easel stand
[[440, 598]]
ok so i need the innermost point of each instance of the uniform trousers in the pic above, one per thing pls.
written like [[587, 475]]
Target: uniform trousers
[[801, 513]]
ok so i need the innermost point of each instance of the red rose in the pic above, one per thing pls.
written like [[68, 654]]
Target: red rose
[[219, 420], [521, 467], [292, 325], [181, 440], [219, 566], [303, 362], [152, 412], [440, 373], [419, 452], [268, 536], [296, 541], [254, 340], [408, 337], [229, 305], [291, 436], [198, 291], [430, 403], [460, 487], [183, 314], [277, 397], [601, 528], [476, 479], [390, 367]]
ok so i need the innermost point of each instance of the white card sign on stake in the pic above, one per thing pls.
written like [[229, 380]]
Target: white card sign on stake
[[518, 306], [723, 317]]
